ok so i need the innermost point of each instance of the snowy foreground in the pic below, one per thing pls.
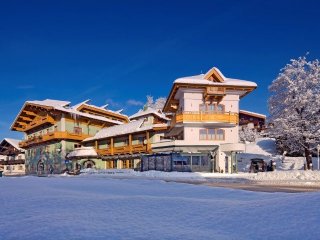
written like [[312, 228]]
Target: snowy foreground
[[95, 207]]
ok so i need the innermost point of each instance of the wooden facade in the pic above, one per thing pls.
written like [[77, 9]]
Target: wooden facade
[[54, 128]]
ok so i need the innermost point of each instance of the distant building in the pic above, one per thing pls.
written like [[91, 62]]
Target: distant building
[[252, 120], [12, 157], [54, 128]]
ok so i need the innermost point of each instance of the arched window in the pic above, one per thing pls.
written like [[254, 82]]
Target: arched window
[[211, 134]]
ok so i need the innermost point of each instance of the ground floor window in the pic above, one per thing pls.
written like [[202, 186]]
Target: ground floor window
[[127, 163]]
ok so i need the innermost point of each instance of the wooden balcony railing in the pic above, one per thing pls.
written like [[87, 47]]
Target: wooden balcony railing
[[52, 136], [11, 162], [138, 148], [201, 117]]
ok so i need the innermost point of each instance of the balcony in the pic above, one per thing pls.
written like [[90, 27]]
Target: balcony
[[11, 162], [206, 117], [138, 148], [52, 136]]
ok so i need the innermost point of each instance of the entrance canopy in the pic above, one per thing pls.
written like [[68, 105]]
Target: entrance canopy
[[82, 152]]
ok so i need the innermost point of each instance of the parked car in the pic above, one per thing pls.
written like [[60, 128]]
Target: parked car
[[257, 165]]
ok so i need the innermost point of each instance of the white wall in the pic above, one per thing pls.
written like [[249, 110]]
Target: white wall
[[190, 99]]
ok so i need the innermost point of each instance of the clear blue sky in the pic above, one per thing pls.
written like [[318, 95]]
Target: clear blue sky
[[118, 52]]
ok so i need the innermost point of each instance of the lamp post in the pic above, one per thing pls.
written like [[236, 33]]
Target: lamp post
[[318, 148]]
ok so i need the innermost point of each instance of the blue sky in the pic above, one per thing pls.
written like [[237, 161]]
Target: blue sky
[[118, 52]]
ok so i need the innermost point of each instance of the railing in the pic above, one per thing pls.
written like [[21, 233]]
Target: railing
[[11, 162], [52, 136], [138, 148], [201, 117]]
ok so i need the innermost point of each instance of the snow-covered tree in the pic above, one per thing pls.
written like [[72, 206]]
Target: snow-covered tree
[[158, 104], [294, 106], [247, 134]]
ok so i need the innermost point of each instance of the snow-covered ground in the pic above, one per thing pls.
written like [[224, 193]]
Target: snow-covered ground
[[91, 207], [289, 170], [125, 204]]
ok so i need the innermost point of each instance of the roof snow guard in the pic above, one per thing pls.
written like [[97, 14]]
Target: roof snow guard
[[213, 78]]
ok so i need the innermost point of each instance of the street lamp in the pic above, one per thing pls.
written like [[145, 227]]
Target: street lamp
[[318, 148]]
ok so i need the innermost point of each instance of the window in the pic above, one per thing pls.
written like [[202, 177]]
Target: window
[[76, 145], [220, 134], [204, 161], [203, 134], [214, 107], [211, 134], [202, 107], [20, 168], [195, 160], [220, 108], [77, 130]]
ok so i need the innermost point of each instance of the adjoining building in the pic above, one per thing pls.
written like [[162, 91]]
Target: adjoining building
[[122, 146], [252, 120], [54, 128], [204, 122], [12, 157]]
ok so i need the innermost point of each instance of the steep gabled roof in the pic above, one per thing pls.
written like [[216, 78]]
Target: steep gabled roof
[[213, 78], [63, 106], [13, 142]]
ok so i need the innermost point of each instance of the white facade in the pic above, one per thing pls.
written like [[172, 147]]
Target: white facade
[[205, 122]]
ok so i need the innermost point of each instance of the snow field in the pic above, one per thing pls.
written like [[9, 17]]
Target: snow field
[[104, 208]]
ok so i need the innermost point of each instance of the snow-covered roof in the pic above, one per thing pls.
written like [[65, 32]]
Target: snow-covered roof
[[126, 128], [64, 106], [82, 152], [103, 108], [148, 111], [200, 79], [14, 143], [253, 113]]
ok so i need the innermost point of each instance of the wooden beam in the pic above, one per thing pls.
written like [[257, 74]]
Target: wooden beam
[[29, 113], [25, 118], [148, 140], [22, 123], [130, 143], [111, 146]]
